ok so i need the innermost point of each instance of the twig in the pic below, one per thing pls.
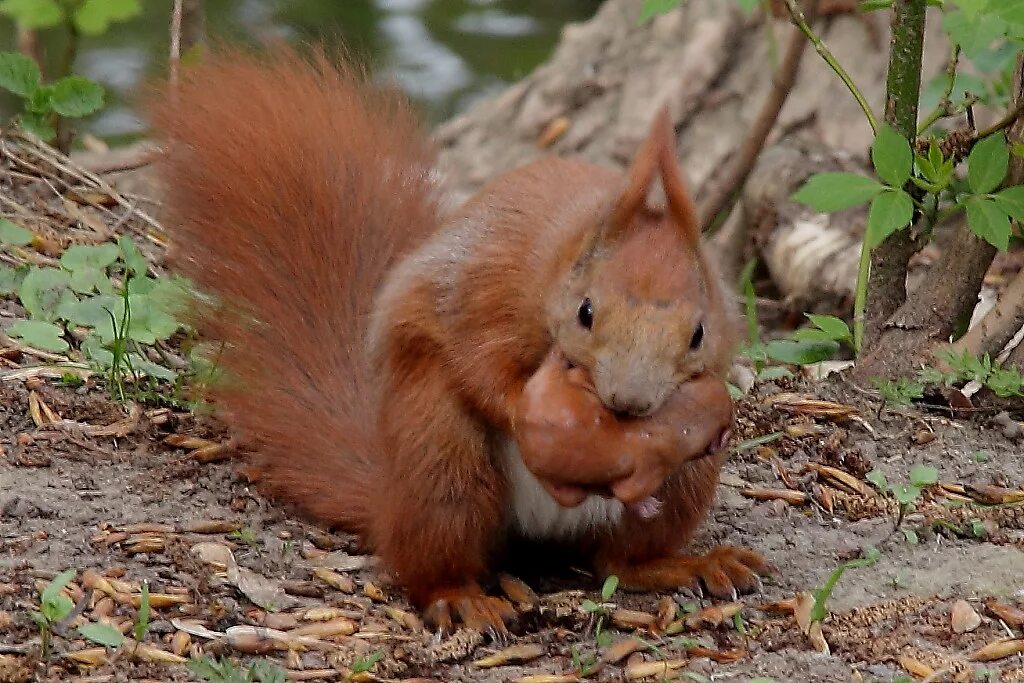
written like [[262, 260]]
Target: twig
[[943, 107], [175, 57], [1008, 120], [798, 19], [782, 84]]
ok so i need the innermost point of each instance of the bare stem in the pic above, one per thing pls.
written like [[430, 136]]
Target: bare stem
[[174, 60], [798, 19], [725, 188]]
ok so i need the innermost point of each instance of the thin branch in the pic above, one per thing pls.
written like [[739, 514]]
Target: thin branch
[[798, 19], [174, 60], [944, 107], [1008, 120], [725, 189]]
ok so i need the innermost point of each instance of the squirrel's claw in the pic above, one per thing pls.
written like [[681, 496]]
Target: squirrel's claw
[[469, 606]]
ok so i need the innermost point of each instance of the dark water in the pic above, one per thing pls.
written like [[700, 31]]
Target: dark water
[[445, 53]]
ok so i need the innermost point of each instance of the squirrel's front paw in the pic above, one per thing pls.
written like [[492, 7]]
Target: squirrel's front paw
[[724, 572], [469, 606]]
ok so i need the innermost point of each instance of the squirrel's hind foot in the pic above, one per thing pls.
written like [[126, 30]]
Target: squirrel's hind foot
[[469, 606], [724, 573]]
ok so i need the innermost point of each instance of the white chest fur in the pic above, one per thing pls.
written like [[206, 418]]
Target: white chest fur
[[535, 514]]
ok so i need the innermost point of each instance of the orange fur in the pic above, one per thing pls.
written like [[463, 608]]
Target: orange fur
[[379, 358]]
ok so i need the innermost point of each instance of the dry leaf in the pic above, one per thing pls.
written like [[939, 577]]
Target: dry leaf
[[799, 404], [817, 639], [802, 611], [518, 592], [841, 479]]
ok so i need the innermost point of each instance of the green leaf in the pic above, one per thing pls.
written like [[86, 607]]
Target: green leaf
[[152, 369], [95, 16], [37, 125], [589, 606], [88, 280], [890, 211], [1011, 200], [76, 96], [1010, 12], [988, 221], [923, 475], [828, 192], [873, 5], [832, 326], [10, 280], [101, 634], [611, 584], [748, 6], [95, 312], [55, 605], [892, 156], [33, 13], [142, 619], [366, 663], [801, 352], [604, 639], [133, 259], [906, 493], [655, 7], [911, 536], [19, 74], [13, 234], [877, 477], [987, 164], [42, 291], [39, 335], [974, 34], [89, 256]]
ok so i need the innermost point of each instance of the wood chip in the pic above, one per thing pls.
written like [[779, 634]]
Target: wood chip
[[963, 618]]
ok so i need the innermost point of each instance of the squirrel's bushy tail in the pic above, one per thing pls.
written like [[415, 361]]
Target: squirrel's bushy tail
[[291, 187]]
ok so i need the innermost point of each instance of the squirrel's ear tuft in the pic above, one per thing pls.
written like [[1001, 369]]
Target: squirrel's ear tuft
[[680, 204], [656, 157], [638, 180]]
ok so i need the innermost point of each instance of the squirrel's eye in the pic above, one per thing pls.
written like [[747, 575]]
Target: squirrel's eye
[[585, 314], [698, 336]]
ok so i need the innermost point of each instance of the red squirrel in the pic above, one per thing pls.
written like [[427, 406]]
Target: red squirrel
[[548, 362]]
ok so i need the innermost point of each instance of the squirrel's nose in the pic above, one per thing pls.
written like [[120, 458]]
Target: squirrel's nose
[[633, 406]]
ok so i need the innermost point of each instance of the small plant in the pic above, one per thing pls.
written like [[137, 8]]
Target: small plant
[[223, 671], [245, 535], [101, 295], [964, 367], [821, 596], [141, 627], [603, 638], [367, 662], [906, 494], [55, 607], [71, 96], [902, 392]]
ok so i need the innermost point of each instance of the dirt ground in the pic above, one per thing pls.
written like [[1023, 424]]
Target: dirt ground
[[129, 508]]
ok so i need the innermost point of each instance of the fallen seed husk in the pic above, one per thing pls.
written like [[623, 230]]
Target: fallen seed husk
[[915, 667], [212, 453], [372, 591], [1011, 614], [180, 642], [335, 580], [93, 656], [189, 443], [648, 669], [621, 649], [325, 614], [1007, 647], [147, 653], [548, 678], [510, 655], [326, 629], [791, 497], [211, 526], [627, 618]]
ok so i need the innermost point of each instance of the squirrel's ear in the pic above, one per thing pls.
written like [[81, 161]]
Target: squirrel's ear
[[657, 156], [638, 182], [680, 204]]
